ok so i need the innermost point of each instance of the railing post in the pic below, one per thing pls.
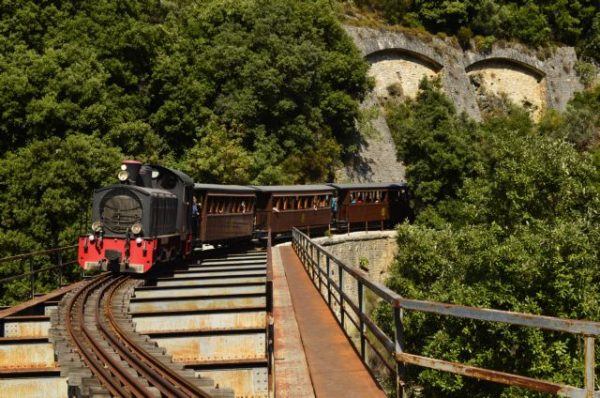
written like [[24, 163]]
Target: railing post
[[327, 261], [361, 310], [312, 262], [399, 347], [32, 277], [590, 363], [319, 272], [341, 293], [60, 270]]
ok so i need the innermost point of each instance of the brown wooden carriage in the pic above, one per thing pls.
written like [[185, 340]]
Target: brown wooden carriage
[[385, 204], [226, 212], [287, 206]]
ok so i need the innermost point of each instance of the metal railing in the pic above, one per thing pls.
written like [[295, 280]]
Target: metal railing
[[270, 326], [338, 283], [60, 258]]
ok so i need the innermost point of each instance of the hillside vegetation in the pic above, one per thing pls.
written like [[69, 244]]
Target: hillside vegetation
[[533, 22], [229, 91], [506, 218], [250, 91]]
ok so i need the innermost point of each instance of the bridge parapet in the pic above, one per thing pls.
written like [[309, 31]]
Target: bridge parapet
[[330, 276]]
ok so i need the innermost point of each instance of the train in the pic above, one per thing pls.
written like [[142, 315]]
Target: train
[[156, 215]]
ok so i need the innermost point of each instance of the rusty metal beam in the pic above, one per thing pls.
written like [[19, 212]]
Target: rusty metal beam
[[514, 318], [492, 375], [39, 300]]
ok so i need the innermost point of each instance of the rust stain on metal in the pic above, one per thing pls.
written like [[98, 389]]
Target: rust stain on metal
[[27, 356], [50, 387], [486, 374], [292, 376], [214, 348], [201, 322], [26, 329], [245, 382], [194, 282], [191, 305], [35, 301], [324, 342], [203, 291]]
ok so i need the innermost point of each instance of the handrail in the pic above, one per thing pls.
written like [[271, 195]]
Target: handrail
[[344, 307], [36, 253], [270, 326], [58, 264]]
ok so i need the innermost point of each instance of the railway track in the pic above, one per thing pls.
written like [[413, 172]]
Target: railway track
[[212, 318], [197, 331], [113, 359]]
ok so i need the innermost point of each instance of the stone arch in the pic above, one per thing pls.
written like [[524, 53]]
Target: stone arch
[[522, 83], [397, 71]]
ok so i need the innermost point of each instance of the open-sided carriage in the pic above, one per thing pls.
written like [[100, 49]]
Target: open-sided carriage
[[286, 206], [375, 205], [226, 212]]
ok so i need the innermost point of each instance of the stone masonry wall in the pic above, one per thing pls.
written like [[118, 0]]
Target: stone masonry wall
[[399, 61], [379, 249]]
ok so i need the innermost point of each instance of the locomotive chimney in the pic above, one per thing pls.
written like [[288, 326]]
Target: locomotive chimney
[[133, 170]]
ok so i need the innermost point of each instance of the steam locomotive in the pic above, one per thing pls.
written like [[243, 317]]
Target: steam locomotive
[[157, 214]]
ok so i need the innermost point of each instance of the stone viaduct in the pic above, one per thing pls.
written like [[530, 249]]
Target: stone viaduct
[[400, 60]]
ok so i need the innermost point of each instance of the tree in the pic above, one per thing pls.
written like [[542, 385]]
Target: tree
[[507, 219], [46, 198], [49, 184]]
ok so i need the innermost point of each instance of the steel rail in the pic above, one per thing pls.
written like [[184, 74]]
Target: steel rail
[[96, 358], [169, 382]]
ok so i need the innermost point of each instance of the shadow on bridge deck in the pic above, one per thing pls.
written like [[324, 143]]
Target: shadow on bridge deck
[[312, 355]]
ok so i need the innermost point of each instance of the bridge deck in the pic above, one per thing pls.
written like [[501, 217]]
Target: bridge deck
[[334, 368]]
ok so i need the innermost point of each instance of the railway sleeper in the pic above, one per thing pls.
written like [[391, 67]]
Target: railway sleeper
[[125, 322], [231, 341]]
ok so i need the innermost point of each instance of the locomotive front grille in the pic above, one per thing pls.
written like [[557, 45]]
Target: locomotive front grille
[[119, 211]]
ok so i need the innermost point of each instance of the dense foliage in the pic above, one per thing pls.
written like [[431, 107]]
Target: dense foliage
[[535, 22], [507, 218], [248, 91]]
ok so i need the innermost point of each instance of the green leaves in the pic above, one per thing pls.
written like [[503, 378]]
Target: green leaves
[[535, 22], [506, 219]]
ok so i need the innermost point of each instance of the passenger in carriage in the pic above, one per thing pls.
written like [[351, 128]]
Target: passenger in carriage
[[195, 214], [334, 207]]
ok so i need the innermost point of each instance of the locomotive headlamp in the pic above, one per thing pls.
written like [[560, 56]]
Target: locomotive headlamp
[[91, 237], [138, 240], [136, 228], [123, 167], [97, 226], [123, 175]]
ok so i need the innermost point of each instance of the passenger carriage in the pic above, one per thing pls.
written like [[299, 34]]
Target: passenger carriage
[[371, 204], [226, 212], [286, 206]]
